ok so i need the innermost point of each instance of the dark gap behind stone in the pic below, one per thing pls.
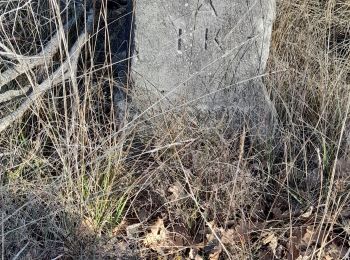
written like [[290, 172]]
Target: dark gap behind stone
[[116, 53]]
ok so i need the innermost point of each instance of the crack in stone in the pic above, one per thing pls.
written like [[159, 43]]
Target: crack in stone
[[212, 6]]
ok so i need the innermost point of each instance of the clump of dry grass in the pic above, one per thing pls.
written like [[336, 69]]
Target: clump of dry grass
[[74, 185], [312, 98]]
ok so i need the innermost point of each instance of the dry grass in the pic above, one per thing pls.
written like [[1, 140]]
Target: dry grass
[[75, 186]]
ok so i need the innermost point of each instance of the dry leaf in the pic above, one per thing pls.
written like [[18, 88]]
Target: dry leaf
[[216, 254], [132, 231], [213, 247], [86, 227], [243, 231], [177, 191], [308, 213], [277, 213], [212, 227], [193, 254], [303, 258], [119, 228], [271, 240], [293, 247], [160, 239], [157, 236], [334, 252], [308, 236], [229, 236], [313, 235]]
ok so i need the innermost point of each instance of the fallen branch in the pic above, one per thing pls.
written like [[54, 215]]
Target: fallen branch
[[60, 75], [27, 63], [11, 94]]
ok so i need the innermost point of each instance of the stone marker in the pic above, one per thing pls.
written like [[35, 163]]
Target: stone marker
[[206, 55]]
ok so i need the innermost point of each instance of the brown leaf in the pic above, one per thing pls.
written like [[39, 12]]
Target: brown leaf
[[160, 239], [229, 236], [121, 227], [303, 258], [193, 254], [177, 191], [293, 251], [215, 255], [212, 227], [86, 228], [243, 232], [312, 236], [308, 236], [133, 231], [157, 236], [292, 247], [265, 254], [277, 213], [245, 229], [308, 213], [271, 240], [335, 252]]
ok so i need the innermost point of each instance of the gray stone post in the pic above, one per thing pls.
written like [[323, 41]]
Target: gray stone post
[[206, 55]]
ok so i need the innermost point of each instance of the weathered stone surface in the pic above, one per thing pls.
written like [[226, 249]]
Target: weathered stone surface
[[208, 55]]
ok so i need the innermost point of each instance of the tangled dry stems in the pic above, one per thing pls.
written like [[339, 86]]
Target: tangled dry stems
[[74, 186]]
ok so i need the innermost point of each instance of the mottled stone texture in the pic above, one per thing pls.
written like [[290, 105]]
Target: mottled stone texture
[[207, 54]]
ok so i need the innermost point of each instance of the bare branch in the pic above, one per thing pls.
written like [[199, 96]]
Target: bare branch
[[28, 63], [3, 46], [60, 75], [11, 94]]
